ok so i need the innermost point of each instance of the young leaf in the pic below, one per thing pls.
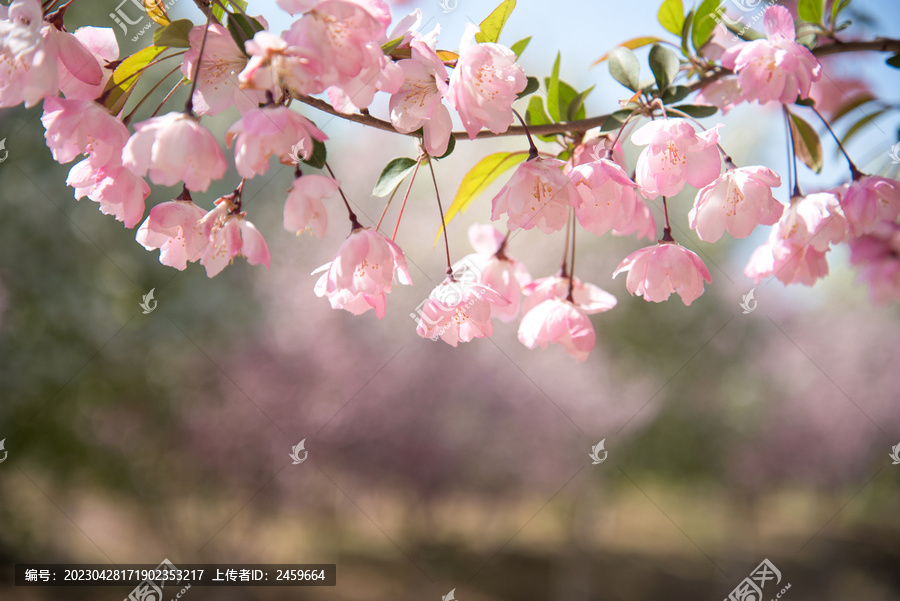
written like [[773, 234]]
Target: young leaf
[[836, 7], [530, 88], [553, 90], [811, 10], [125, 76], [536, 115], [615, 120], [392, 175], [174, 35], [704, 23], [806, 143], [671, 16], [675, 94], [319, 155], [625, 68], [664, 64], [857, 127], [242, 28], [698, 111], [686, 33], [391, 45], [855, 103], [576, 108], [632, 44], [478, 179], [894, 61], [519, 47], [156, 10], [493, 24]]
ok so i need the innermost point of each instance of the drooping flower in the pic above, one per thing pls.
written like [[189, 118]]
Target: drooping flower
[[549, 317], [218, 86], [304, 209], [75, 127], [776, 68], [229, 234], [655, 272], [119, 192], [643, 224], [607, 196], [362, 273], [175, 148], [174, 228], [264, 132], [724, 93], [538, 195], [459, 312], [274, 65], [877, 255], [484, 84], [599, 148], [28, 54], [101, 43], [675, 154], [736, 202], [795, 251], [869, 200]]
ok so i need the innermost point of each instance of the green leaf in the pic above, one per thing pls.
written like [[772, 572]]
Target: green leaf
[[857, 127], [392, 175], [478, 179], [157, 12], [451, 146], [174, 35], [811, 10], [632, 44], [704, 23], [536, 115], [519, 47], [852, 105], [664, 64], [807, 145], [836, 7], [698, 111], [625, 68], [125, 76], [391, 45], [894, 61], [553, 90], [242, 29], [671, 16], [318, 157], [615, 120], [530, 88], [686, 33], [493, 24], [675, 94], [576, 108]]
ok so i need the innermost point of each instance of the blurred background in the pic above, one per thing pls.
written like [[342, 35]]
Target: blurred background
[[732, 438]]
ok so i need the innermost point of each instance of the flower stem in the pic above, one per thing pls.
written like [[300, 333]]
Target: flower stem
[[354, 222], [405, 198], [667, 229], [793, 152], [127, 119], [572, 264], [532, 149], [189, 105], [854, 171], [443, 223]]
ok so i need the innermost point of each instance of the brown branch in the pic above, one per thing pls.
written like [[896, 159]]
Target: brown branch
[[583, 125]]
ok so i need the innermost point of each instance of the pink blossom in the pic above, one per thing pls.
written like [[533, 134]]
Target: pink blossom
[[643, 224], [296, 6], [458, 312], [738, 201], [29, 50], [75, 127], [75, 60], [776, 68], [557, 321], [877, 255], [675, 154], [607, 196], [174, 228], [869, 200], [655, 272], [175, 148], [362, 273], [274, 65], [494, 269], [419, 101], [598, 148], [795, 251], [264, 132], [724, 93], [835, 91], [538, 195], [304, 209], [484, 84], [119, 192], [101, 43], [218, 86], [229, 234], [587, 297]]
